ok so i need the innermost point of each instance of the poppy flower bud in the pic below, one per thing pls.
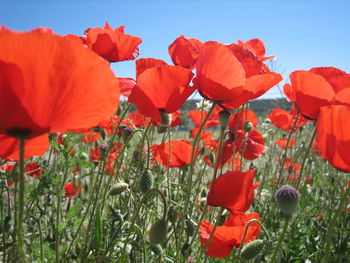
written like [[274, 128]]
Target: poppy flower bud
[[287, 198], [158, 232], [103, 151], [204, 193], [190, 227], [252, 249], [248, 126], [186, 249], [172, 214], [126, 133], [118, 188], [157, 249], [224, 118], [145, 183], [165, 120]]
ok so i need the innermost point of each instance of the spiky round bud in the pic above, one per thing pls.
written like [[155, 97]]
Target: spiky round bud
[[248, 126], [158, 232], [172, 214], [252, 249], [145, 183], [190, 227], [287, 198], [118, 188], [224, 118]]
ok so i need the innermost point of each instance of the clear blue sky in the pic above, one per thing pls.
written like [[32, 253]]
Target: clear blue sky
[[302, 34]]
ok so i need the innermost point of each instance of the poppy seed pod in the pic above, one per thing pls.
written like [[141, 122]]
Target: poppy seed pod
[[158, 232], [165, 120], [287, 198], [224, 117], [252, 249], [118, 188], [248, 126], [103, 151]]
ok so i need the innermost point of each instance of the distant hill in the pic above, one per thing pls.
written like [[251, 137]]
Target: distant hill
[[261, 107]]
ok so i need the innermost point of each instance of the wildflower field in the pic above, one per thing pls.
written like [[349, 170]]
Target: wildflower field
[[96, 167]]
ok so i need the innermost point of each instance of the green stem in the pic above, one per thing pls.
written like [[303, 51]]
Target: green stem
[[279, 244], [19, 230], [330, 229]]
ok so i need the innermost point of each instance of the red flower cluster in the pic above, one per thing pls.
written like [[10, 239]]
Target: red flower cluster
[[233, 190]]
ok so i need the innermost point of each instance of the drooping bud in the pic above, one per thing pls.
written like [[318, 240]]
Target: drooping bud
[[157, 249], [186, 249], [172, 214], [224, 118], [145, 183], [103, 151], [118, 188], [252, 249], [248, 126], [287, 198], [190, 227], [158, 232]]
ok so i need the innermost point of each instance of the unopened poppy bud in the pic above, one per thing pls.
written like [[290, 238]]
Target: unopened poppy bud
[[103, 151], [224, 118], [118, 188], [248, 126], [186, 249], [157, 249], [190, 227], [145, 183], [204, 193], [172, 214], [253, 167], [252, 249], [126, 133], [165, 120], [287, 198], [158, 232]]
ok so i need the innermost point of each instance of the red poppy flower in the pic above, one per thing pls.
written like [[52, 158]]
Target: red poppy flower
[[60, 86], [126, 85], [231, 75], [72, 189], [333, 135], [225, 156], [9, 147], [286, 120], [174, 154], [282, 143], [33, 169], [228, 235], [289, 92], [198, 116], [319, 87], [184, 51], [249, 144], [240, 117], [112, 45], [91, 137], [291, 165], [110, 124], [136, 119], [233, 190], [257, 47], [316, 149], [204, 136], [161, 88]]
